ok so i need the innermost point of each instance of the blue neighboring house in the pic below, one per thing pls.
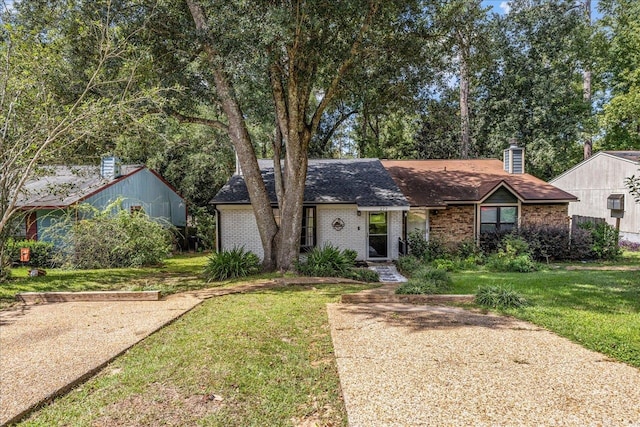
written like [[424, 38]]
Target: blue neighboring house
[[57, 189]]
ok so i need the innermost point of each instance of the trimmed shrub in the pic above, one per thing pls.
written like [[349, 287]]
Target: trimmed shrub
[[494, 296], [426, 281], [231, 264], [41, 253]]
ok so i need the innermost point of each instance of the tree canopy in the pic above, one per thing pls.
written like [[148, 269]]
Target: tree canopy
[[179, 85]]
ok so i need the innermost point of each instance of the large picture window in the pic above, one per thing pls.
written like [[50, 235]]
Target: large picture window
[[498, 218]]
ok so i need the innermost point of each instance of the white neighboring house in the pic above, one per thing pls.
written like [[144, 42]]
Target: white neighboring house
[[600, 178], [349, 203]]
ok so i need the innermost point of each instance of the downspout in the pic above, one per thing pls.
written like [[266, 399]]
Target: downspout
[[217, 236]]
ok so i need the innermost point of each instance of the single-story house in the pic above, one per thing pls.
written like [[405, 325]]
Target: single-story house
[[370, 206], [60, 188], [458, 200], [598, 182], [350, 203]]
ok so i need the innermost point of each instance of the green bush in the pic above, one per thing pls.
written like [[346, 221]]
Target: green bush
[[605, 240], [424, 249], [231, 264], [426, 281], [408, 264], [364, 275], [41, 253], [112, 238], [327, 261], [513, 256], [518, 264], [499, 297]]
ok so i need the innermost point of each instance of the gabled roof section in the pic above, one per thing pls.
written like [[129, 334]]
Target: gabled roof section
[[623, 156], [364, 182], [438, 183], [62, 186], [633, 156]]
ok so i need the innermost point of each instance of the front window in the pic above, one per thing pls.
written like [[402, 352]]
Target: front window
[[498, 218], [308, 235]]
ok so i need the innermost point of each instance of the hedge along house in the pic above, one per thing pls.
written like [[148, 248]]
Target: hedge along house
[[351, 204], [454, 201], [599, 184], [59, 189]]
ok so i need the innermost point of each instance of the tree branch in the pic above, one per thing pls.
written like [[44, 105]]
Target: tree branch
[[344, 67]]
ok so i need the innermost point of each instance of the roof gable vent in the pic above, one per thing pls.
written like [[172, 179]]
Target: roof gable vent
[[110, 167], [514, 158]]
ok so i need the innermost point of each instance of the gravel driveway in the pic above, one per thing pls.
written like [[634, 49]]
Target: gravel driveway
[[407, 365], [45, 349]]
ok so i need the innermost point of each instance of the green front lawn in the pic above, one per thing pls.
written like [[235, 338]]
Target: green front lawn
[[598, 309], [259, 359], [266, 358], [179, 273]]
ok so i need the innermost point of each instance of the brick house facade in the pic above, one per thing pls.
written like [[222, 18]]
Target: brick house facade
[[454, 201]]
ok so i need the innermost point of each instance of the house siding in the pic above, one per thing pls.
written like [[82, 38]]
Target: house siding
[[144, 189], [551, 214], [596, 179], [238, 228], [452, 225]]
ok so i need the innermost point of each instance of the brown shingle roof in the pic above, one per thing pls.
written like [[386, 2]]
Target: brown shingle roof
[[437, 183]]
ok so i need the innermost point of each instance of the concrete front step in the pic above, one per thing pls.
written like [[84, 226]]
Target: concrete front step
[[90, 296]]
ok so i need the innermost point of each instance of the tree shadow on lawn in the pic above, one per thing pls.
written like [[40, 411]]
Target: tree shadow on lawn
[[420, 317]]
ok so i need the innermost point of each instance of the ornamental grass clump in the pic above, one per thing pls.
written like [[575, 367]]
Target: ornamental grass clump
[[426, 281], [231, 264], [495, 296], [328, 261]]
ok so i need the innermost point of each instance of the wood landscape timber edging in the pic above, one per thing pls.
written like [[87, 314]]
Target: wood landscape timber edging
[[46, 297], [362, 298], [386, 294]]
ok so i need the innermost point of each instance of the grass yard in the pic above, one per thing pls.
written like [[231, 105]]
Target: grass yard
[[179, 273], [256, 359], [598, 309]]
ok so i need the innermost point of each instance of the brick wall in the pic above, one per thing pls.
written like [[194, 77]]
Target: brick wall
[[452, 225], [238, 228], [557, 214]]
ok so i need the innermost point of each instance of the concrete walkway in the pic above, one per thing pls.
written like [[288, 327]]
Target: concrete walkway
[[410, 365]]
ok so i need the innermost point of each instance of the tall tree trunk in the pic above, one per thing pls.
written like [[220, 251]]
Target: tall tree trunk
[[464, 110], [465, 137], [241, 141], [588, 141]]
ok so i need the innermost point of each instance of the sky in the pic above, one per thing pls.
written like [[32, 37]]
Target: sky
[[502, 7]]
